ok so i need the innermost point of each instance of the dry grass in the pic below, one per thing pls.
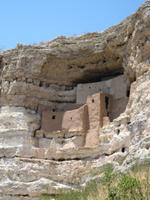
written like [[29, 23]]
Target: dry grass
[[135, 185]]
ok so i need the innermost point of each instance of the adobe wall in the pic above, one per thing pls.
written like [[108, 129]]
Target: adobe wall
[[76, 120], [72, 121], [117, 87], [57, 107], [88, 119], [99, 108], [93, 103], [51, 121]]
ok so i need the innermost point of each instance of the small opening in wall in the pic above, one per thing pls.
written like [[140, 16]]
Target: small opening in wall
[[54, 117], [40, 84], [53, 110], [92, 100], [128, 93], [71, 118], [123, 149], [70, 66], [117, 58], [104, 60], [81, 66], [106, 102], [118, 131]]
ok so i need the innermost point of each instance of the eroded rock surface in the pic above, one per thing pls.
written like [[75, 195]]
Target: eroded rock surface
[[54, 79]]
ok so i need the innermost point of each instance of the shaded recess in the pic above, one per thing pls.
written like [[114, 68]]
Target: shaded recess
[[91, 76], [85, 67]]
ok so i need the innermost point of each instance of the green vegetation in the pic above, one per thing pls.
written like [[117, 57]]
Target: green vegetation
[[135, 185], [46, 197]]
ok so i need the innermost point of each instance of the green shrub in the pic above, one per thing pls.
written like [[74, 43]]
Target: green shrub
[[46, 197], [130, 188], [108, 174], [113, 193], [127, 188], [135, 185]]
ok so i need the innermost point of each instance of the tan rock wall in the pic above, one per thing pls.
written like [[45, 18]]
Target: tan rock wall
[[33, 94], [118, 107]]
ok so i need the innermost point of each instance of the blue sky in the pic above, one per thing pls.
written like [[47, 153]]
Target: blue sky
[[33, 21]]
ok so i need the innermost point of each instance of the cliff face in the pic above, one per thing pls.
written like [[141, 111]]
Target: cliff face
[[48, 78]]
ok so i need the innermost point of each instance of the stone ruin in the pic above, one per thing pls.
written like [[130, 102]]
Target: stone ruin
[[96, 105]]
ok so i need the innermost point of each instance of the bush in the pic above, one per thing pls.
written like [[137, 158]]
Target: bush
[[135, 185], [46, 197], [128, 188]]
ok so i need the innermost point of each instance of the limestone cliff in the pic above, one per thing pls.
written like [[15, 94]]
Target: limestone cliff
[[71, 105]]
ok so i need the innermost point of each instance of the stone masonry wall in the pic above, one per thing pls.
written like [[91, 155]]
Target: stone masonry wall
[[117, 87]]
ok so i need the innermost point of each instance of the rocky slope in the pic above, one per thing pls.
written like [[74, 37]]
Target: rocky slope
[[46, 75]]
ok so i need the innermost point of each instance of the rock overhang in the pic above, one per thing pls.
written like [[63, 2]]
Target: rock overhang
[[71, 60], [39, 64]]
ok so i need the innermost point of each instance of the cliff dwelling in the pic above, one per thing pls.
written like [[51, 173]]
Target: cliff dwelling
[[96, 105], [67, 110]]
